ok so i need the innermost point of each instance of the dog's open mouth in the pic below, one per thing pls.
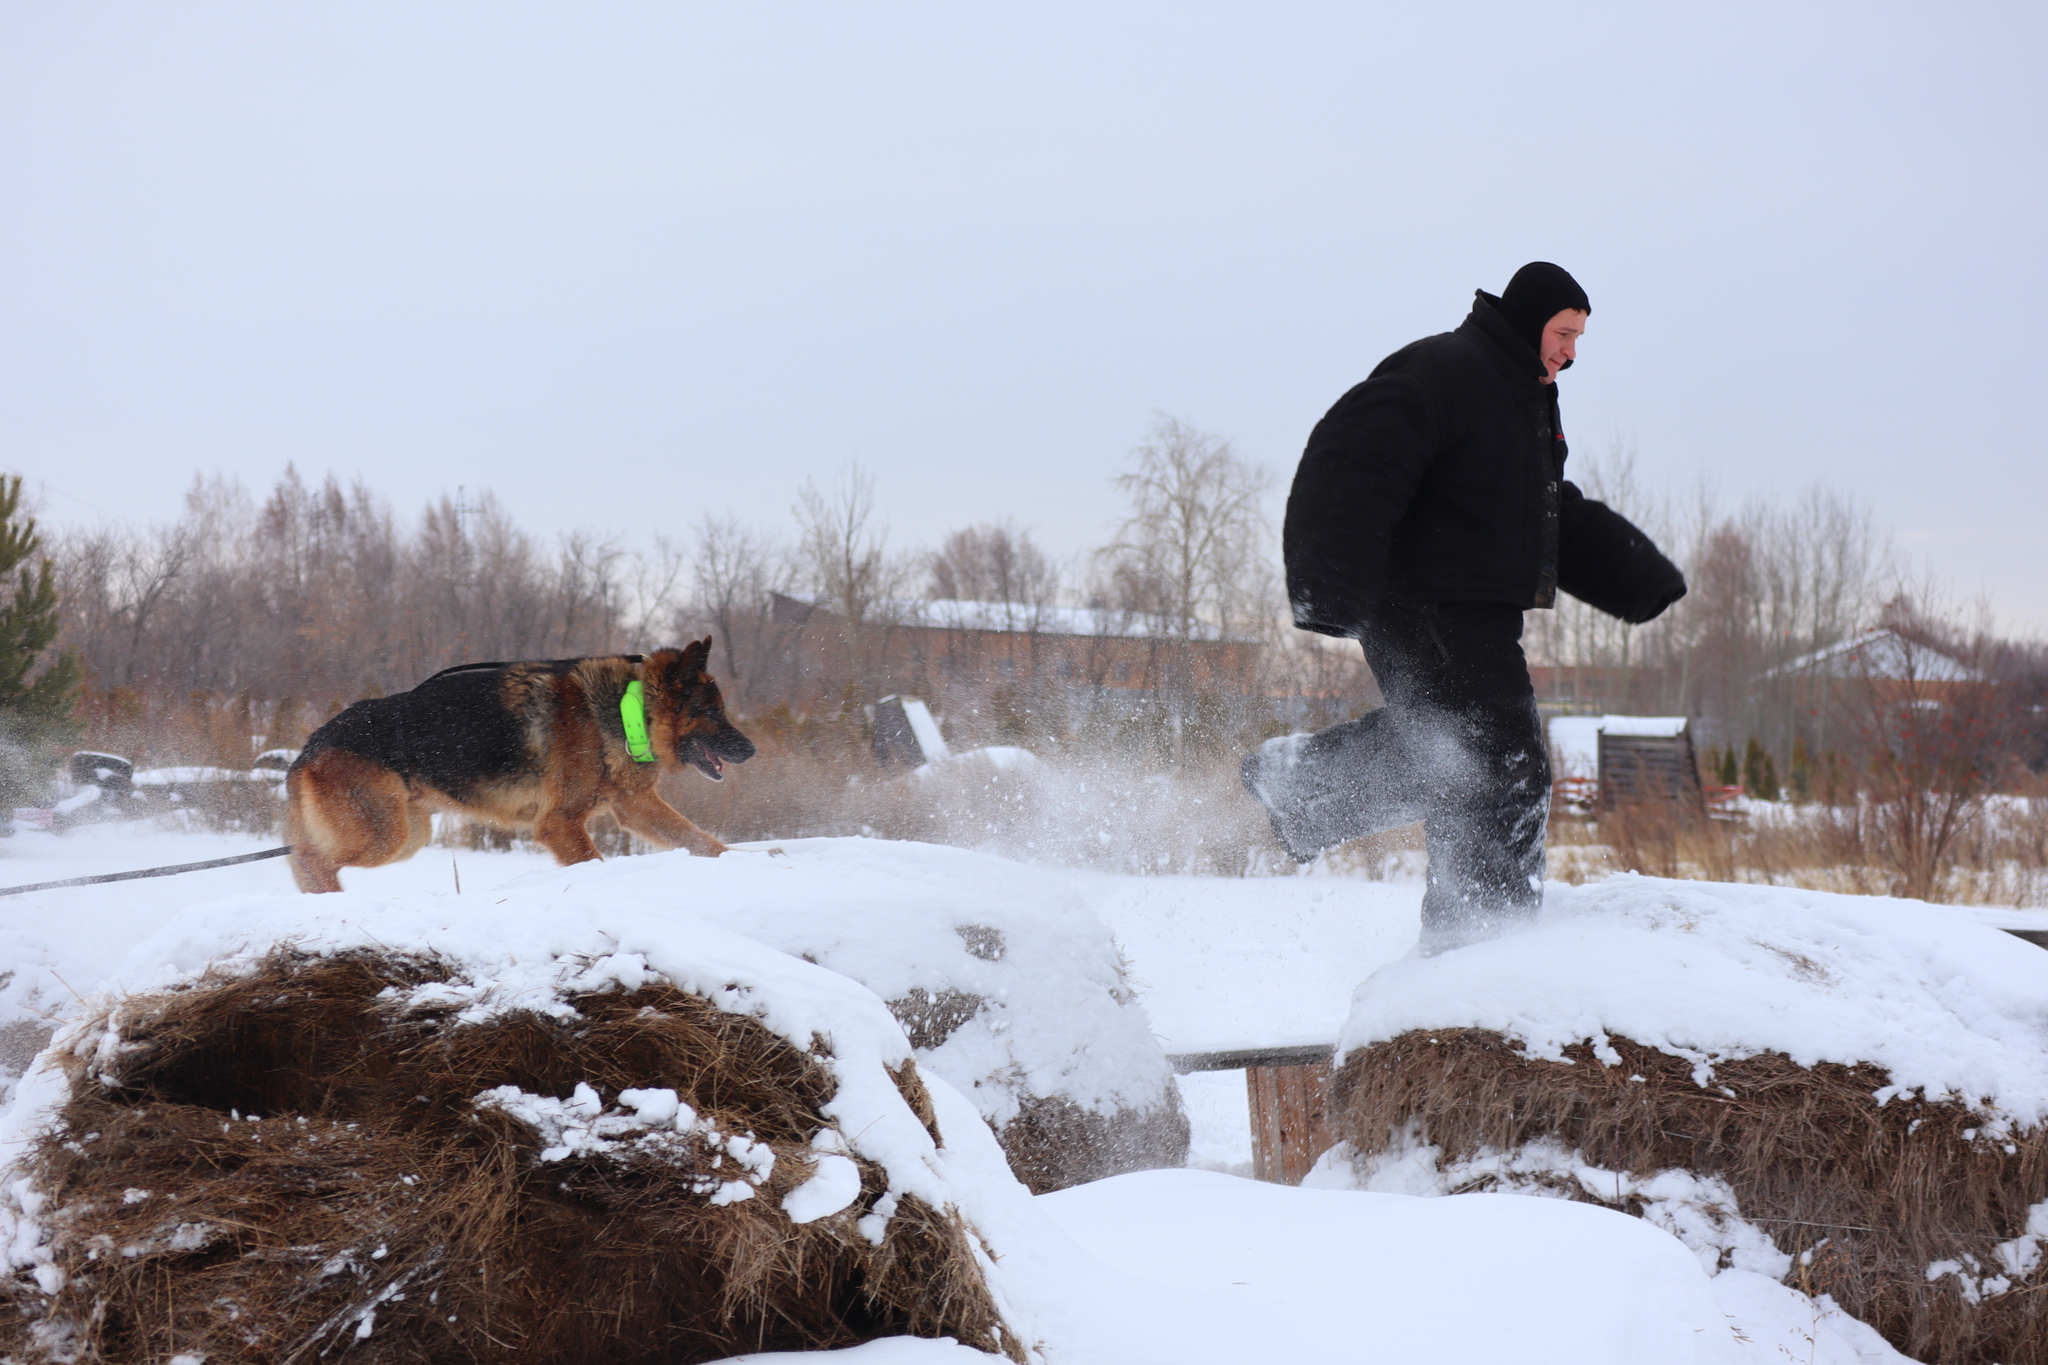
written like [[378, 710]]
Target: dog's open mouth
[[707, 763]]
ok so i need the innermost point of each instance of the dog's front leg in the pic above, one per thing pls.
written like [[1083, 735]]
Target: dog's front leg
[[562, 833], [656, 821]]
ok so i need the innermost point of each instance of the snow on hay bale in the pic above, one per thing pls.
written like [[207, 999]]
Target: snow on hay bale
[[1007, 984], [540, 1140], [1847, 1095]]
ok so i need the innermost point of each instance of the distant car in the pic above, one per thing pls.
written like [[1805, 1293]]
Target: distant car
[[108, 772], [93, 786]]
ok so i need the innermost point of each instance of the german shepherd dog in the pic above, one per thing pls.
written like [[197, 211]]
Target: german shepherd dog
[[536, 747]]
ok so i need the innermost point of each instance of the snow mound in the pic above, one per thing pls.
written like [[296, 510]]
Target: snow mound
[[1166, 1268], [553, 961], [1948, 1007], [1007, 984], [1841, 1094]]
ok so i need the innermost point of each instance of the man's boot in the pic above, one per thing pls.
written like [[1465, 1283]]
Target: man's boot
[[1335, 785]]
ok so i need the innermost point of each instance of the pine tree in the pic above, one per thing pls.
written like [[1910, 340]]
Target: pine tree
[[1802, 770], [35, 711], [1759, 772], [1730, 773]]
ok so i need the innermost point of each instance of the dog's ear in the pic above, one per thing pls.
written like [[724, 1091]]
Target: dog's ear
[[696, 657]]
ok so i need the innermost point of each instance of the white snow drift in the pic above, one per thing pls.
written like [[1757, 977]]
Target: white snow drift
[[1178, 1268]]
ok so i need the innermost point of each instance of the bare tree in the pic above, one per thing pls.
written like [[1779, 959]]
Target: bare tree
[[996, 564], [113, 582], [844, 548], [993, 562], [1938, 736], [1191, 560], [655, 586], [1772, 587], [1587, 643], [318, 596], [588, 595], [1196, 531], [735, 571]]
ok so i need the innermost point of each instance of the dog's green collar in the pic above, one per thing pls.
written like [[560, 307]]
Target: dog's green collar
[[633, 715]]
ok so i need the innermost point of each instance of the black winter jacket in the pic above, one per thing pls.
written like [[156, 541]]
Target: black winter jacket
[[1441, 479]]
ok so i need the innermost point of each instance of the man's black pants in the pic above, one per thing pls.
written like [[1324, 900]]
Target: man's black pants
[[1458, 746]]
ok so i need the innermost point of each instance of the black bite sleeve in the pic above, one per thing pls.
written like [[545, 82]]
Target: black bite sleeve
[[1360, 471], [1609, 563]]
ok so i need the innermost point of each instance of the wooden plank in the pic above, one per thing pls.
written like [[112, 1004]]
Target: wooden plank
[[1308, 1054], [1289, 1126]]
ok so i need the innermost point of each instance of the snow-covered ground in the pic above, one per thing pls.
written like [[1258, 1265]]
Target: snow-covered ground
[[1179, 1267], [1224, 964]]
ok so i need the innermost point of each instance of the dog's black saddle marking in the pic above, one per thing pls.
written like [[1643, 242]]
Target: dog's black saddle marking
[[452, 732], [455, 732], [557, 665]]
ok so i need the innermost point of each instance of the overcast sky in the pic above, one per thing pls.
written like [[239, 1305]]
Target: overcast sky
[[626, 263]]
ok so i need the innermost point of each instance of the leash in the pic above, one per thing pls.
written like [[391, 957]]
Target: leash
[[278, 852]]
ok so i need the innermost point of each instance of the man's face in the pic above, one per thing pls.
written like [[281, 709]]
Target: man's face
[[1561, 341]]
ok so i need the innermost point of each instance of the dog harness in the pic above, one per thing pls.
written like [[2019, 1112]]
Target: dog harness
[[633, 715]]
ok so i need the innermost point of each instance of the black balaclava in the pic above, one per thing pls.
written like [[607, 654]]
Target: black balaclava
[[1539, 292]]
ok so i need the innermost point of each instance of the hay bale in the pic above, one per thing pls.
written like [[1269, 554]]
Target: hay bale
[[1847, 1096], [401, 1156], [1791, 1171], [1016, 995]]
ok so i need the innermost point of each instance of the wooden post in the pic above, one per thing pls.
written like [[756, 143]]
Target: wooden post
[[1288, 1084], [1288, 1129]]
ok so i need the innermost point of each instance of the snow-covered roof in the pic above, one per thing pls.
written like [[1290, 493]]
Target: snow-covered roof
[[1880, 654], [1575, 740], [961, 614]]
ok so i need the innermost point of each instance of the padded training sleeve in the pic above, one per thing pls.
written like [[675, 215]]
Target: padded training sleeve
[[1608, 562]]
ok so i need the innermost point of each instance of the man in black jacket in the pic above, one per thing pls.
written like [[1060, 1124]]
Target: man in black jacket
[[1430, 510]]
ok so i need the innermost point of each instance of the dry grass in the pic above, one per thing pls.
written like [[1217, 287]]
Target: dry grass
[[1121, 814], [1102, 810], [1124, 811], [225, 807], [1875, 1193], [2000, 858], [290, 1165]]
